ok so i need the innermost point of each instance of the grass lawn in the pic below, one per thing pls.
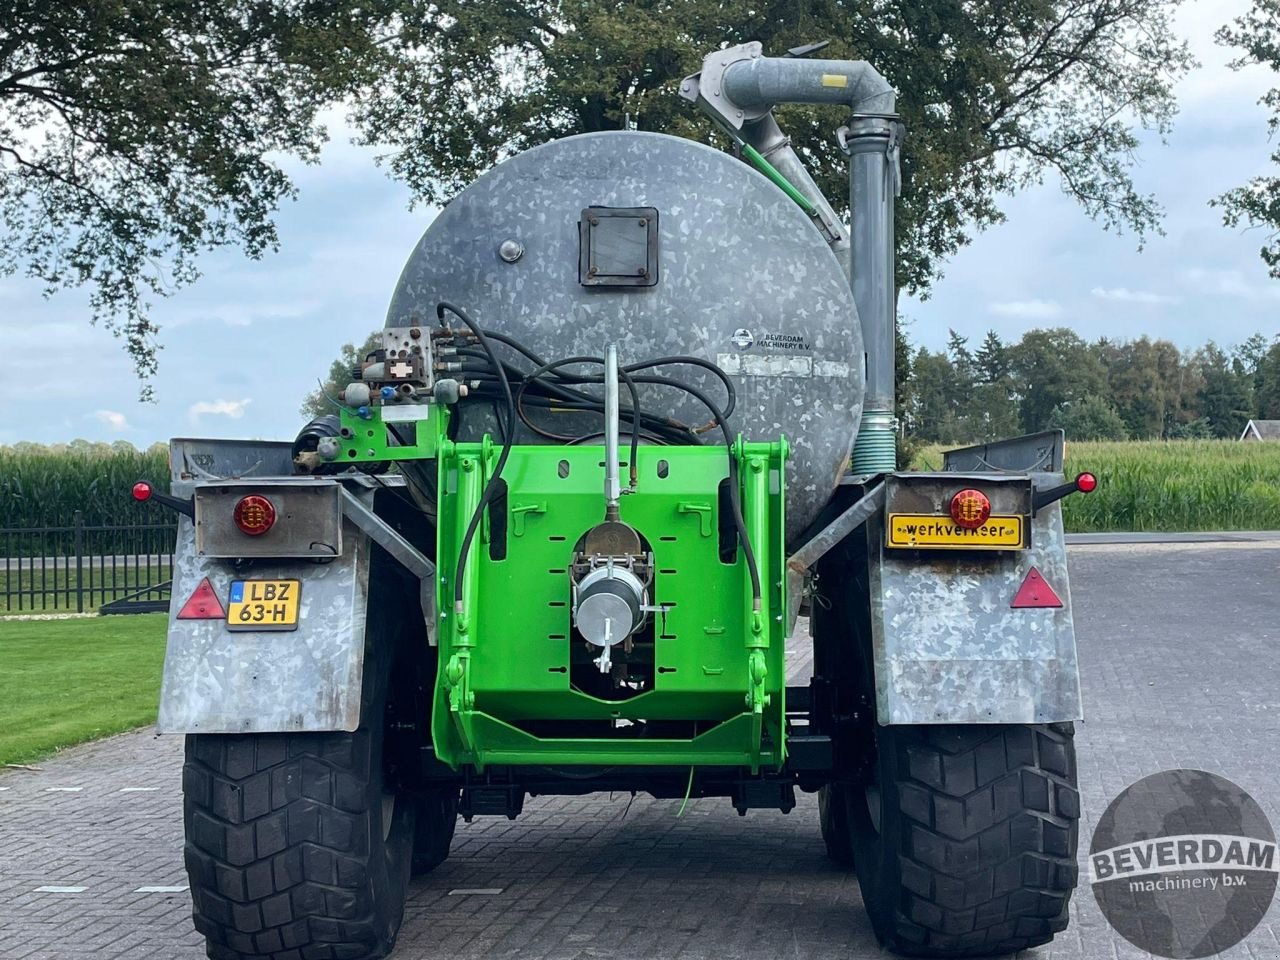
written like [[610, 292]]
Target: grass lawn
[[68, 681]]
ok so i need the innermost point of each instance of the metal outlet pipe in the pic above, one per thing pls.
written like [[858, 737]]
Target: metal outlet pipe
[[872, 143]]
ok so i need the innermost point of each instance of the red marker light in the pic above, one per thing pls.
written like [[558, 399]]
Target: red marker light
[[1086, 483], [254, 515], [142, 491], [970, 509]]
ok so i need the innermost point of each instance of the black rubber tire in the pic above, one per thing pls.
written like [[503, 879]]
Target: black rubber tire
[[833, 819], [437, 819], [974, 852], [293, 849]]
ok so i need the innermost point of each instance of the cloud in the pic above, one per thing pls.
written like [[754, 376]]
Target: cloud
[[1027, 309], [1231, 283], [113, 419], [1125, 295], [219, 408]]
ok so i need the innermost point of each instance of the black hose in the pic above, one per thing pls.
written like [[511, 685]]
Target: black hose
[[491, 487], [735, 495], [718, 418], [631, 387]]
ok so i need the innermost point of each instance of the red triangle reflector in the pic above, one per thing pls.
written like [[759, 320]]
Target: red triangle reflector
[[203, 604], [1035, 592]]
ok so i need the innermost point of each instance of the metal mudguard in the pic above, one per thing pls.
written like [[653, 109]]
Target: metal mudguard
[[309, 679], [222, 681], [950, 648]]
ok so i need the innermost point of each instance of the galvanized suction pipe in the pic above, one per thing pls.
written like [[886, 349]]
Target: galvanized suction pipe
[[872, 144], [767, 137], [760, 83], [612, 481], [744, 91]]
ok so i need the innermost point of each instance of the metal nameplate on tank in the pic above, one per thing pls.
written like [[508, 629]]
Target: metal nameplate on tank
[[957, 511]]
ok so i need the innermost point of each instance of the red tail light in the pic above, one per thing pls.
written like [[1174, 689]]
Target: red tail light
[[1086, 483], [142, 491], [254, 515], [970, 509]]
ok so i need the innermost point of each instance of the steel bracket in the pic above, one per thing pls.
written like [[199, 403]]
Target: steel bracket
[[405, 553]]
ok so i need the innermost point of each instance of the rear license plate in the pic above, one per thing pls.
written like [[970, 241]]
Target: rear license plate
[[263, 604], [924, 532]]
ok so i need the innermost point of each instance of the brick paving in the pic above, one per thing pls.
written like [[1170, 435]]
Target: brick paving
[[1179, 650]]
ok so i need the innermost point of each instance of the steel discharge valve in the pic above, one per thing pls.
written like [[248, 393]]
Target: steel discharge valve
[[609, 607]]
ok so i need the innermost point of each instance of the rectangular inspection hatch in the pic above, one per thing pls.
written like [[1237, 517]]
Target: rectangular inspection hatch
[[618, 247]]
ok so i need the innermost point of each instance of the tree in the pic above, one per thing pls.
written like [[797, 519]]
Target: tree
[[1226, 392], [134, 136], [992, 359], [325, 396], [1267, 396], [1257, 203], [1051, 368], [1089, 418], [995, 96]]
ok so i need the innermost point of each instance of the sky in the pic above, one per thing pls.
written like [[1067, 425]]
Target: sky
[[244, 344]]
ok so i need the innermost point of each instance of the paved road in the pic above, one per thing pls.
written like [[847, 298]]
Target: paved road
[[1180, 647]]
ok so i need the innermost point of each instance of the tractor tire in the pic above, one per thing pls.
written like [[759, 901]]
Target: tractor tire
[[833, 819], [437, 818], [966, 845], [293, 850]]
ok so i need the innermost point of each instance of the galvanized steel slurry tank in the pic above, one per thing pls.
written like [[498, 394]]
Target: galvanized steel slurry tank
[[743, 280]]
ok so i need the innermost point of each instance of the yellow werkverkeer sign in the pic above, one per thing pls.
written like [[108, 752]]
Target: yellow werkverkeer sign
[[925, 532]]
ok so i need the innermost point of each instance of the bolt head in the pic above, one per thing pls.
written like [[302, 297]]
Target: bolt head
[[511, 250]]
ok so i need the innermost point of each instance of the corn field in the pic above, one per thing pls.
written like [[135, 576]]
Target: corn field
[[45, 486], [1144, 485], [1171, 485]]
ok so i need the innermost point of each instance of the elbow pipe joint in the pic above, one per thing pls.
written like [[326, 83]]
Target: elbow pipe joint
[[739, 85]]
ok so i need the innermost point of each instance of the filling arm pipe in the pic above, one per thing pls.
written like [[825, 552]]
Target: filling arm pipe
[[738, 88], [759, 83]]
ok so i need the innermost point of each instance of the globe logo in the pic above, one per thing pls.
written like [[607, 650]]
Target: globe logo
[[1183, 864], [742, 338]]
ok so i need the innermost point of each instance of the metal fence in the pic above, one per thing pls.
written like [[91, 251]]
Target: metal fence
[[84, 567]]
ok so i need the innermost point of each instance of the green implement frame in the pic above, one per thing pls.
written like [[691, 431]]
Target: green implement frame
[[505, 659]]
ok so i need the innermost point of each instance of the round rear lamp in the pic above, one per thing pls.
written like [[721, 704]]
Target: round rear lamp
[[970, 509], [254, 515], [142, 491], [1086, 483]]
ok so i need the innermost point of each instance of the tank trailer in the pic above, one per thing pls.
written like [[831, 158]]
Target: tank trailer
[[631, 418]]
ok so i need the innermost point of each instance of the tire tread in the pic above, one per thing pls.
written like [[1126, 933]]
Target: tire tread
[[277, 826], [986, 853]]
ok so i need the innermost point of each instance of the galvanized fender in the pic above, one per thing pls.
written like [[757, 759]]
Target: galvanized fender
[[221, 681], [950, 648], [218, 680]]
